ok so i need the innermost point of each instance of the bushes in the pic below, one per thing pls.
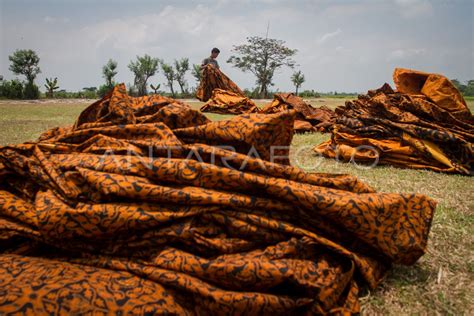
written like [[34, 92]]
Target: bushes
[[15, 89], [31, 91], [255, 94], [103, 89], [11, 89], [85, 94], [309, 94]]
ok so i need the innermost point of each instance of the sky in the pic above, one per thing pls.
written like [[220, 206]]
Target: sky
[[350, 46]]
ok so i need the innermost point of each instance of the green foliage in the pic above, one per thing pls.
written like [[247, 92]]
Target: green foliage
[[51, 85], [196, 72], [298, 79], [88, 94], [309, 94], [181, 67], [109, 71], [11, 89], [104, 89], [155, 88], [466, 89], [84, 94], [143, 68], [339, 95], [170, 75], [31, 91], [63, 94], [25, 62], [262, 57], [250, 93]]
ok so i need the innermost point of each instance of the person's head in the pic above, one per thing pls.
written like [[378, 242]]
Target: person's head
[[215, 52]]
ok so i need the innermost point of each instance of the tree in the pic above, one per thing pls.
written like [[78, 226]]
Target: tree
[[466, 89], [469, 91], [181, 66], [25, 62], [298, 79], [170, 75], [109, 71], [155, 88], [51, 85], [262, 56], [196, 72], [460, 86], [143, 68]]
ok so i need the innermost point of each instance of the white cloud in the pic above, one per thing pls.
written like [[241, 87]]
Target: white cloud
[[328, 36], [169, 34], [401, 54], [341, 45]]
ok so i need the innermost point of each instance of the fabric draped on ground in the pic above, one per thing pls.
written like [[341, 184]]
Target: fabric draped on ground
[[425, 124], [212, 78], [435, 87], [227, 102], [308, 118], [143, 207], [223, 96]]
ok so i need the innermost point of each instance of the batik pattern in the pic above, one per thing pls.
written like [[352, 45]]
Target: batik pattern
[[427, 127], [212, 78], [308, 118], [125, 215]]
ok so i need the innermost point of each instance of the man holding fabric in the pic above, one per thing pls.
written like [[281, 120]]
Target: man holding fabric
[[212, 59]]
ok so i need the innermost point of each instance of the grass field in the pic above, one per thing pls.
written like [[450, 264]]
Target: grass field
[[442, 282]]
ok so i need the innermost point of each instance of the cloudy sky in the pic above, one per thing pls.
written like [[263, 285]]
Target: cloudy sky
[[342, 45]]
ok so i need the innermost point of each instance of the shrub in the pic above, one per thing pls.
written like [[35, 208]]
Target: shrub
[[104, 89], [89, 94], [11, 89], [252, 94], [31, 91], [309, 94]]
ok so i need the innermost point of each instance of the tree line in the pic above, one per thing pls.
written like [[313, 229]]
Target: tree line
[[466, 88], [259, 56]]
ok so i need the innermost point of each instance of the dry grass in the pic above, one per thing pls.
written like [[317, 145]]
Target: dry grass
[[442, 282]]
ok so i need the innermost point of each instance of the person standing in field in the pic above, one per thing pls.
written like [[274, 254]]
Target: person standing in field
[[212, 59]]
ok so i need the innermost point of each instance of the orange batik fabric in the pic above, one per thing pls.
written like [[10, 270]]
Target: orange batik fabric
[[227, 102], [146, 207], [212, 78], [425, 124], [308, 118]]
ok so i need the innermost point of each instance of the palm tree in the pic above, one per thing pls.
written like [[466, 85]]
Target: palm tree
[[297, 78], [51, 85]]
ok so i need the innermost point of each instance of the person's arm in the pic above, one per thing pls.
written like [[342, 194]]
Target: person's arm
[[204, 63]]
